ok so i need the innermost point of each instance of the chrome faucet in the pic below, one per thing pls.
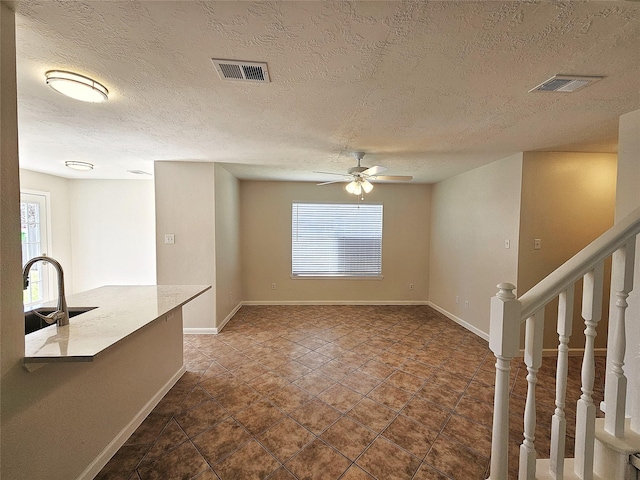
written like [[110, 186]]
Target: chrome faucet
[[61, 315]]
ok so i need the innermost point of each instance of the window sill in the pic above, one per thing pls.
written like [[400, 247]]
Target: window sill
[[335, 277]]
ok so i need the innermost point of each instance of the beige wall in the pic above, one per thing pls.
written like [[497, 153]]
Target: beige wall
[[265, 213], [55, 421], [11, 338], [60, 232], [227, 232], [11, 318], [112, 233], [472, 215], [568, 200], [628, 198], [628, 192], [185, 207], [102, 231]]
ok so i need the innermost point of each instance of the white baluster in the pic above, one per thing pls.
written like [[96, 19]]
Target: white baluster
[[616, 386], [586, 410], [558, 421], [533, 360], [504, 342]]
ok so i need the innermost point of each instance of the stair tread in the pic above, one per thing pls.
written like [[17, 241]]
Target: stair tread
[[542, 470], [628, 445]]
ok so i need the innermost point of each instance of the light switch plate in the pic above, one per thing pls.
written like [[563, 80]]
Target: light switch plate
[[169, 238]]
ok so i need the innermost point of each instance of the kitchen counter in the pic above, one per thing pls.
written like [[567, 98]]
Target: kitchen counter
[[121, 311]]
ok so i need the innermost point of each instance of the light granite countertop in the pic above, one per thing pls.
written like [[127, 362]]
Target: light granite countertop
[[121, 311]]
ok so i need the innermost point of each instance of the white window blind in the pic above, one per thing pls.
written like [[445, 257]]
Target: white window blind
[[331, 239]]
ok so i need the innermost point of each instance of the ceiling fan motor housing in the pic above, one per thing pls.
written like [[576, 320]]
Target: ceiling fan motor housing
[[356, 170]]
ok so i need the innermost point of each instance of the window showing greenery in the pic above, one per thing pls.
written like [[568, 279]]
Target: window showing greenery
[[336, 240], [33, 237]]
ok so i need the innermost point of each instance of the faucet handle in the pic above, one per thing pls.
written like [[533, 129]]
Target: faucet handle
[[51, 318]]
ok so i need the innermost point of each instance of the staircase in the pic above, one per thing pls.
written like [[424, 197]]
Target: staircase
[[605, 448]]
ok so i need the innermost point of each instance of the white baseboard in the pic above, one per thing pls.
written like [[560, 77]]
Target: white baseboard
[[459, 321], [573, 352], [547, 352], [603, 409], [199, 331], [110, 450], [215, 330], [336, 302], [228, 317]]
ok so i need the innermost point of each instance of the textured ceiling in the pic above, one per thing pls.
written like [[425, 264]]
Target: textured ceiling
[[428, 89]]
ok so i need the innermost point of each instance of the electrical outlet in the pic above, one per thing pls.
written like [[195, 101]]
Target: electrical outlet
[[169, 238], [466, 304], [411, 286], [273, 286]]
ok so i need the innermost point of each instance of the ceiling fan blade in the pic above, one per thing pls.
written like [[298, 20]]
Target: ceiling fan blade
[[332, 181], [393, 178], [332, 173], [371, 171]]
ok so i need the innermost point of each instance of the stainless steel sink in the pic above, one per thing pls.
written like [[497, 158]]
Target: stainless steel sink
[[32, 322]]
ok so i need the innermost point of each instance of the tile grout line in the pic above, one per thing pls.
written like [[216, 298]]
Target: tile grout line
[[393, 333]]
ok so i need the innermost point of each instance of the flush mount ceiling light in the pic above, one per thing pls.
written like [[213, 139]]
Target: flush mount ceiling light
[[139, 172], [77, 86], [82, 166], [565, 83]]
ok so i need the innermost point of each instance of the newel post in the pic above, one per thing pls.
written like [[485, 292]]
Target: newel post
[[504, 342]]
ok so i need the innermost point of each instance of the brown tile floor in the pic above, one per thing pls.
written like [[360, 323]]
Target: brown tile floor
[[335, 392]]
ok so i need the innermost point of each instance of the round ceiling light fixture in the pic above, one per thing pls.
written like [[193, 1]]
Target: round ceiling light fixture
[[82, 166], [77, 86]]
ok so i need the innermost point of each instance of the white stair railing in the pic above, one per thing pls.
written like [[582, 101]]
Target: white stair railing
[[508, 314]]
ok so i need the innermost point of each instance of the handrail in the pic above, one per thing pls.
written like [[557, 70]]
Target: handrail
[[578, 265]]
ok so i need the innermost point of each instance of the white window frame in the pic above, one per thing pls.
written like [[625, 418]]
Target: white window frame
[[336, 261], [47, 281]]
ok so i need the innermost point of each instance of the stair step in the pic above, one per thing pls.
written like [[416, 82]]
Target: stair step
[[628, 445], [542, 470]]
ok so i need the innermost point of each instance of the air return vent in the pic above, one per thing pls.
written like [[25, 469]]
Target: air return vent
[[241, 71], [565, 83]]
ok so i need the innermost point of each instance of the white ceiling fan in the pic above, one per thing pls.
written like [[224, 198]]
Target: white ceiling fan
[[359, 177]]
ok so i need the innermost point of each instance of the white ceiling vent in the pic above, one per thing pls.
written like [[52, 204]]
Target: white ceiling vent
[[241, 71], [565, 83]]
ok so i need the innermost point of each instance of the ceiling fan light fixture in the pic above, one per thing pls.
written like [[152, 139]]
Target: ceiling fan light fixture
[[354, 188], [77, 86], [367, 186]]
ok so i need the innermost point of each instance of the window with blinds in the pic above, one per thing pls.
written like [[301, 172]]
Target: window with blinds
[[336, 240]]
